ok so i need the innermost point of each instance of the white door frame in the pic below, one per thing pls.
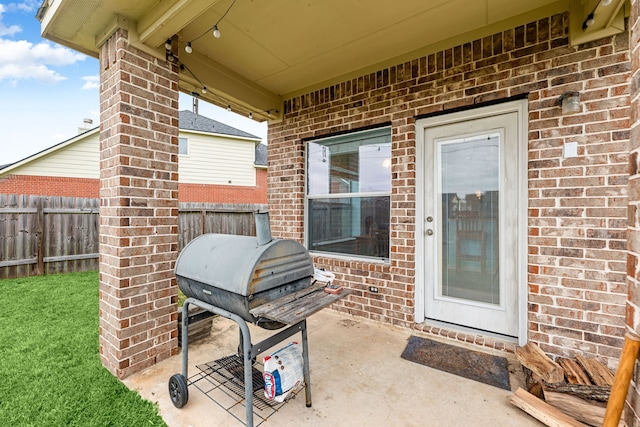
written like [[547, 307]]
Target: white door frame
[[519, 107]]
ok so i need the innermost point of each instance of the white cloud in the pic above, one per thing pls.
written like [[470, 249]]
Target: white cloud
[[21, 60], [4, 30], [25, 6], [91, 82], [13, 73]]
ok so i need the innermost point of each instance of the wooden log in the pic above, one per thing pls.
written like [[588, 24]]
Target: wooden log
[[542, 411], [536, 390], [583, 391], [599, 374], [623, 378], [573, 372], [586, 411], [539, 363]]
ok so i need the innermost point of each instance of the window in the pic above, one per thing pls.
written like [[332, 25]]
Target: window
[[183, 146], [348, 193]]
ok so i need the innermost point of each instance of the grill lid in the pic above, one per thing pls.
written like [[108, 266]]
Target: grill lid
[[239, 264]]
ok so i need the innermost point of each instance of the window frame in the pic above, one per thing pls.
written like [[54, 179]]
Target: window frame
[[187, 144], [344, 138]]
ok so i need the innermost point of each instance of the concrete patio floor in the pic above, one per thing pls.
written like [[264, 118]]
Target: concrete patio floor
[[357, 378]]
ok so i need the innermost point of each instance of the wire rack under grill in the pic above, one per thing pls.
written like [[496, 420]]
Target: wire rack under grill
[[222, 381]]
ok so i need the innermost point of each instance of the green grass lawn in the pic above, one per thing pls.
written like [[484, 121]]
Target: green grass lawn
[[50, 370]]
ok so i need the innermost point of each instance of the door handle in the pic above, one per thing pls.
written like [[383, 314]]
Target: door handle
[[429, 232]]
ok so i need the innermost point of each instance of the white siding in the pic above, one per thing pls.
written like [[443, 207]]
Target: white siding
[[212, 159], [78, 160], [217, 160]]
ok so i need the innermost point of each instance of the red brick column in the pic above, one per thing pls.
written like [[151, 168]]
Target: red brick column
[[138, 207], [633, 238]]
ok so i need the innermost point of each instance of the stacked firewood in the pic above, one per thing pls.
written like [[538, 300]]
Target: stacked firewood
[[566, 392]]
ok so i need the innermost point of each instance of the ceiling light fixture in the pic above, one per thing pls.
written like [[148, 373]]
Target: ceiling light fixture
[[229, 108], [271, 112], [215, 30], [590, 19]]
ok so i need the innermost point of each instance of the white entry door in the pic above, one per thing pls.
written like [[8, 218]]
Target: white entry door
[[471, 221]]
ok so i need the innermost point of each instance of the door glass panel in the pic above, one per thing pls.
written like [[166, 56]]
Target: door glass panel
[[469, 177]]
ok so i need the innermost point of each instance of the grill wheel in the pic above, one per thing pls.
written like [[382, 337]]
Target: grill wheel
[[178, 390]]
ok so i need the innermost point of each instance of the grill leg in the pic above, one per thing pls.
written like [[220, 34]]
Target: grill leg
[[185, 339], [245, 342], [305, 368], [245, 336]]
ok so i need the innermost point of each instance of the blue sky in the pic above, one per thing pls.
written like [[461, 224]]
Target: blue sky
[[46, 90]]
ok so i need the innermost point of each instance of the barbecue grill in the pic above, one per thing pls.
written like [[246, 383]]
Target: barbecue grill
[[260, 280]]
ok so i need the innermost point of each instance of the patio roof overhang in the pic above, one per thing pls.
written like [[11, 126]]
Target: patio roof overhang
[[271, 51]]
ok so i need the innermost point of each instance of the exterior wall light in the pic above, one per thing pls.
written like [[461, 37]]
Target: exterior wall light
[[570, 102]]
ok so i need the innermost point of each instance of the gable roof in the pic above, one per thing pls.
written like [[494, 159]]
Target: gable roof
[[191, 121], [51, 149]]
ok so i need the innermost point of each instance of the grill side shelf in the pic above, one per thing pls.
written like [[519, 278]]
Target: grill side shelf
[[293, 308]]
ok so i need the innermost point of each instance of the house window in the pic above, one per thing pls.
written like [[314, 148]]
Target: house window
[[183, 146], [348, 193]]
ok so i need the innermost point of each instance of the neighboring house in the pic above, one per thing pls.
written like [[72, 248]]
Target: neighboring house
[[217, 163]]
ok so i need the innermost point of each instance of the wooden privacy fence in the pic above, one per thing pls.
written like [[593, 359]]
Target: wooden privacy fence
[[44, 235], [195, 219]]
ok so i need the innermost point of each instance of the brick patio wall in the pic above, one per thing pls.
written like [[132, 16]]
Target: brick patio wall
[[85, 187], [577, 207], [138, 207], [632, 410]]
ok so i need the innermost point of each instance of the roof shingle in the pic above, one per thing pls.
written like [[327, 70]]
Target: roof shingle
[[192, 121]]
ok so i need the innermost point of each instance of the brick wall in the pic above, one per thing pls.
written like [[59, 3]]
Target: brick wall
[[50, 186], [632, 409], [138, 207], [226, 193], [85, 187], [577, 207]]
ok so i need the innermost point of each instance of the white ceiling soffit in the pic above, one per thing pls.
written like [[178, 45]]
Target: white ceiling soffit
[[275, 49]]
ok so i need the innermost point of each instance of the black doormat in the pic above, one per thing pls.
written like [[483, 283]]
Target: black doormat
[[485, 368]]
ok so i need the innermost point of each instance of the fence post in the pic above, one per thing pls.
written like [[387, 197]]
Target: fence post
[[40, 236]]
